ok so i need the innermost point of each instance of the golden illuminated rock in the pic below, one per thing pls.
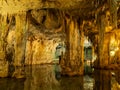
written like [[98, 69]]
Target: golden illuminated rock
[[30, 31]]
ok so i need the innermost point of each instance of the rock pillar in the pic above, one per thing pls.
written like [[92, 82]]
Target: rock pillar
[[4, 27], [102, 43], [73, 63], [20, 44]]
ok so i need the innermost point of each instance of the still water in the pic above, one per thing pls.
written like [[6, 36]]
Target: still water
[[42, 77]]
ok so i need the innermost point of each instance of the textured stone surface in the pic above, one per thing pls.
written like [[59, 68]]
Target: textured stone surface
[[30, 30], [72, 62], [39, 49], [25, 5]]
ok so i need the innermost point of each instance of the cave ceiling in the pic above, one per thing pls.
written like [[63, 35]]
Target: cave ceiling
[[75, 7], [48, 15]]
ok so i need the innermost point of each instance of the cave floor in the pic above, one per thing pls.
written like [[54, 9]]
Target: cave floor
[[44, 77]]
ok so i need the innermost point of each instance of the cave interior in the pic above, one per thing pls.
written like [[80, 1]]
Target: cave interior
[[31, 31]]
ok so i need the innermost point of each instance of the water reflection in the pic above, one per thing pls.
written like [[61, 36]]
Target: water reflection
[[74, 83], [11, 84], [117, 73], [106, 80], [42, 77], [102, 80]]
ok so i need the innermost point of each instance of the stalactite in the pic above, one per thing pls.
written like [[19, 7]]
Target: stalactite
[[53, 20], [113, 11]]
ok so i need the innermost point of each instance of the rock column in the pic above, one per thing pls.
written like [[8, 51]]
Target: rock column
[[73, 63], [20, 44], [4, 27]]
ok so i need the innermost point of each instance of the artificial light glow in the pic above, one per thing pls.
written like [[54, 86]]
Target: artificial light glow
[[116, 49], [112, 53]]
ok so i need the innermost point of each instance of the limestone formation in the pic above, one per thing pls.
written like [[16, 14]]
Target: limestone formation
[[30, 31]]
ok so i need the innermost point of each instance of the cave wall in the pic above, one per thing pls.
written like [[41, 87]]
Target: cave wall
[[25, 41], [40, 51], [38, 41], [29, 35], [34, 41]]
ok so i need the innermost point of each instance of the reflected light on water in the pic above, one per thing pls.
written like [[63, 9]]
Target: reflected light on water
[[42, 77]]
